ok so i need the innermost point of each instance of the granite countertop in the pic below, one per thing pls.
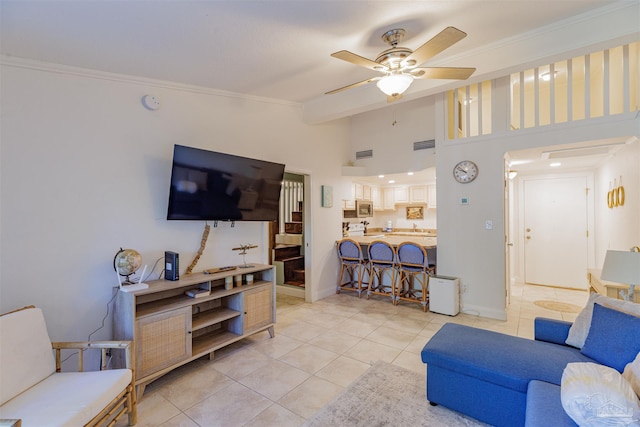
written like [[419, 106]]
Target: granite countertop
[[395, 240]]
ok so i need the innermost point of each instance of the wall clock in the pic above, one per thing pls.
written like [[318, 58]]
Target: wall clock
[[465, 171]]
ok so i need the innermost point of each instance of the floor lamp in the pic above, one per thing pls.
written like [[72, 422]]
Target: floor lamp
[[623, 267]]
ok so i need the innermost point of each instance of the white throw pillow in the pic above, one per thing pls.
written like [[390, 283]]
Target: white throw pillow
[[632, 374], [597, 395], [580, 328]]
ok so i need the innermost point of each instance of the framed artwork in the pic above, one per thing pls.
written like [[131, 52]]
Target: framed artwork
[[415, 212], [327, 196]]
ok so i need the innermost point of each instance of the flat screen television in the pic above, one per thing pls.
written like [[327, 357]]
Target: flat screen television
[[211, 186]]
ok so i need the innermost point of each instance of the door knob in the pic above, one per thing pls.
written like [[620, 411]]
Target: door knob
[[528, 230], [528, 237]]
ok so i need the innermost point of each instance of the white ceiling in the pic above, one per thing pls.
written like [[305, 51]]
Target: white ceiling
[[281, 49]]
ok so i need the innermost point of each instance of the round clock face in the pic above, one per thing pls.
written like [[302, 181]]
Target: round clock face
[[465, 171]]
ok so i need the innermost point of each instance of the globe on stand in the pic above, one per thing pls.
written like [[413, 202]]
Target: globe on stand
[[126, 262]]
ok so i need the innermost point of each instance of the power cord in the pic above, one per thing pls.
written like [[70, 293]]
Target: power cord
[[100, 327]]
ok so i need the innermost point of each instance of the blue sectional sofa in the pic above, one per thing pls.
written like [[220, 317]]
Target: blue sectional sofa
[[500, 379]]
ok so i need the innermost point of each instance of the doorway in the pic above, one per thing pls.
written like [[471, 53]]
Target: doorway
[[549, 222], [288, 249], [555, 231]]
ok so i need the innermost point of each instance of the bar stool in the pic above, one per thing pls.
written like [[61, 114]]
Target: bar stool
[[413, 264], [351, 262], [382, 259]]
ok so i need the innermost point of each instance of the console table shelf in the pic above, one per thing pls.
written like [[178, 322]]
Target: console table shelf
[[203, 344], [169, 328], [212, 317]]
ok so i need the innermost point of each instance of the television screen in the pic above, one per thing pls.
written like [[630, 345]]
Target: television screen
[[207, 185]]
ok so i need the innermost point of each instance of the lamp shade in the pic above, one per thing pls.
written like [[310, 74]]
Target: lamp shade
[[394, 84], [622, 267]]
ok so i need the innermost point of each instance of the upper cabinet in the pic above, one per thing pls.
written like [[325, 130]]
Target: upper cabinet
[[418, 194], [376, 198], [388, 200], [431, 201], [400, 195], [359, 191], [366, 193]]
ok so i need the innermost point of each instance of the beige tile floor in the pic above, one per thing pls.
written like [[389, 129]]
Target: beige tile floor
[[318, 350]]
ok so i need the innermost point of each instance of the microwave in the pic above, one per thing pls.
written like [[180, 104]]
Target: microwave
[[364, 209]]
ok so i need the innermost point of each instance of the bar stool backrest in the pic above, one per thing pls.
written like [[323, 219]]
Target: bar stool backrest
[[381, 253], [412, 257], [349, 251]]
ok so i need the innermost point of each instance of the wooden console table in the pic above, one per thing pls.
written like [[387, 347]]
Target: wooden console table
[[169, 328], [610, 289]]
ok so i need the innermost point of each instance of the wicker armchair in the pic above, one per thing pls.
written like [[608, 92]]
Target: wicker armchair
[[34, 389]]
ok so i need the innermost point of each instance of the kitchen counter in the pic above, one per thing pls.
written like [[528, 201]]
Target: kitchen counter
[[395, 240]]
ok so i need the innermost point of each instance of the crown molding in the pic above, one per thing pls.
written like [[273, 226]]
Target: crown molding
[[49, 67]]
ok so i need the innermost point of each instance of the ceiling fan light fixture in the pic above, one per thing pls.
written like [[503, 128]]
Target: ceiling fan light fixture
[[395, 84]]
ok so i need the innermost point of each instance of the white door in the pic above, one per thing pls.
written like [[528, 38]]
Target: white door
[[555, 231]]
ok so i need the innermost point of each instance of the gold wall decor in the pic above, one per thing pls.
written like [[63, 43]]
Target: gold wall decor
[[610, 197], [615, 196], [620, 193]]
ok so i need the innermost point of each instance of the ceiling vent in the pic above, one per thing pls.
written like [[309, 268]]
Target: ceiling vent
[[424, 145], [365, 154]]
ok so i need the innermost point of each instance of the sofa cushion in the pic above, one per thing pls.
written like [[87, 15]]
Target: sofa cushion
[[67, 398], [26, 356], [631, 373], [580, 328], [614, 337], [597, 395], [544, 407], [501, 359]]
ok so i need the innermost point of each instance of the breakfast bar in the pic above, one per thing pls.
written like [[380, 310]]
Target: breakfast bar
[[428, 242]]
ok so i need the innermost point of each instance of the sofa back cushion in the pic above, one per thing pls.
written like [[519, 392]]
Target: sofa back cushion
[[614, 337], [26, 357], [580, 328]]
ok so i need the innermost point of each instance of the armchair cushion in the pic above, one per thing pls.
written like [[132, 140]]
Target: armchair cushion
[[25, 358], [67, 398]]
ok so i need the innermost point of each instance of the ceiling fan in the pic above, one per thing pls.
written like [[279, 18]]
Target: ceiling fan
[[400, 64]]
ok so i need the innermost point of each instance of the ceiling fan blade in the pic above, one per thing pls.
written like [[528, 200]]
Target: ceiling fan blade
[[452, 73], [351, 86], [345, 55], [446, 38]]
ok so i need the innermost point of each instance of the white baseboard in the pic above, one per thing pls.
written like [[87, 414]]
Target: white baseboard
[[290, 291], [480, 311]]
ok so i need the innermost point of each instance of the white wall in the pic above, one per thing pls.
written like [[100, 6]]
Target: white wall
[[86, 169], [618, 228], [391, 132]]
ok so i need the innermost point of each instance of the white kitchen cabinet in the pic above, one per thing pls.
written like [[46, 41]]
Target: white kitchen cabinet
[[366, 193], [359, 191], [376, 199], [418, 194], [400, 195], [351, 202], [388, 199], [431, 201]]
